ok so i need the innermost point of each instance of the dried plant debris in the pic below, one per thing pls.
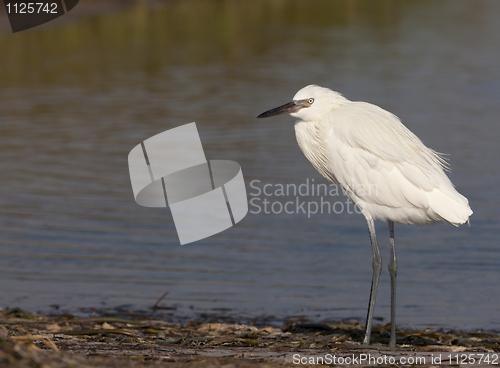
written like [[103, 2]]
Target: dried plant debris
[[142, 339]]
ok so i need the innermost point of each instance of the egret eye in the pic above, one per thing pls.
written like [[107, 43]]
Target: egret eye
[[310, 101]]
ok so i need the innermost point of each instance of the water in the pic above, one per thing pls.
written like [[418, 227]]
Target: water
[[76, 97]]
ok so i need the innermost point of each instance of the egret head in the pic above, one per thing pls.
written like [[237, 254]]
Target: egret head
[[311, 103]]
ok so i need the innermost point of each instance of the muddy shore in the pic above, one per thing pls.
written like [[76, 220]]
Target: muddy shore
[[139, 339]]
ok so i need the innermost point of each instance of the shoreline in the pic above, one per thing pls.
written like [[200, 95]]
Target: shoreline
[[142, 339]]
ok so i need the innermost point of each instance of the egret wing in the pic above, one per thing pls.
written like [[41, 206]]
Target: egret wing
[[381, 162]]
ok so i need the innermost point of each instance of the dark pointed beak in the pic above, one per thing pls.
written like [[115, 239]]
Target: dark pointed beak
[[288, 108]]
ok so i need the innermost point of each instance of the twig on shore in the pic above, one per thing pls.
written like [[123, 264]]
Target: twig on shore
[[155, 307]]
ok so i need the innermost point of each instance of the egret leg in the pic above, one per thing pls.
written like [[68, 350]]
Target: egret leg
[[377, 269], [393, 271]]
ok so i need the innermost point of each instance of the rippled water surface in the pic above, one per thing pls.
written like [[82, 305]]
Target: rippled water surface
[[76, 97]]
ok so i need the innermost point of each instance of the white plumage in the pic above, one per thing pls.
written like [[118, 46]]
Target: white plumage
[[384, 168]]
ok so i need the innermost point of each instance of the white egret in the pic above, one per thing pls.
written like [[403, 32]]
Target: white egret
[[382, 166]]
